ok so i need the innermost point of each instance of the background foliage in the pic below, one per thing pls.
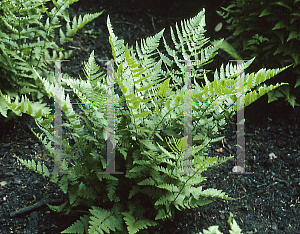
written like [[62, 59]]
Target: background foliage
[[26, 42], [268, 30]]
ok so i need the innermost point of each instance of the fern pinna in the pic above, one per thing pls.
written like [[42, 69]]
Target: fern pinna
[[154, 184]]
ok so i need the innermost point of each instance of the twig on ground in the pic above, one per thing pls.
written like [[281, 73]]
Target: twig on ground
[[35, 206]]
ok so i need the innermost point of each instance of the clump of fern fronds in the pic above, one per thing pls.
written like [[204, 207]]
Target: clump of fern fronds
[[158, 179]]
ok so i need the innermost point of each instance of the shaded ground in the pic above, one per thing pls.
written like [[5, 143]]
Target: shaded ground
[[272, 193]]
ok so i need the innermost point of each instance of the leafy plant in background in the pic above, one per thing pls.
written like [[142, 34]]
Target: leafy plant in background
[[269, 31], [25, 42], [235, 229], [91, 33], [152, 188]]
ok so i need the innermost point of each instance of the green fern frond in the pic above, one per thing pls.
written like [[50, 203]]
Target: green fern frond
[[81, 22], [117, 46], [103, 220], [146, 49], [133, 225], [111, 189], [66, 107], [170, 187], [191, 202], [162, 214], [254, 79], [35, 167], [147, 181], [20, 22], [166, 199], [133, 191], [80, 227], [35, 109], [57, 208], [47, 145], [88, 192], [217, 193], [90, 70]]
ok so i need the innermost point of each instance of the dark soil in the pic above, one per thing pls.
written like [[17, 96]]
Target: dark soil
[[272, 193]]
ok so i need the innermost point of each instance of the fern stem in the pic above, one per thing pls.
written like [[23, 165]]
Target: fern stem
[[160, 123], [19, 29]]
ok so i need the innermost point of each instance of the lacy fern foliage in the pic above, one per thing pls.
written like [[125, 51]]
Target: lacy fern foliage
[[155, 183], [26, 43]]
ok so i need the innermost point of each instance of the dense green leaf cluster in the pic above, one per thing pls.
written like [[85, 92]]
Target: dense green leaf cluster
[[155, 182], [268, 30], [26, 43]]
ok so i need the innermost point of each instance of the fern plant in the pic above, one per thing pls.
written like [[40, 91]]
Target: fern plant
[[268, 30], [154, 184], [26, 43]]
